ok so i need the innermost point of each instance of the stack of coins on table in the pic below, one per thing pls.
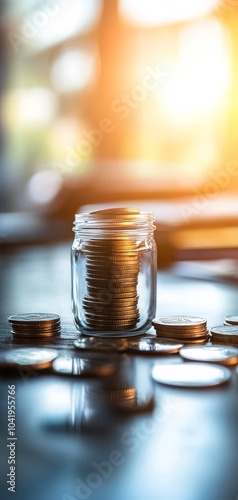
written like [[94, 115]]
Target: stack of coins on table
[[112, 268], [35, 326], [184, 329], [225, 334], [231, 320]]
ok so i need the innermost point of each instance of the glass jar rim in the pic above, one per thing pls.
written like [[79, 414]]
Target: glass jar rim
[[114, 222]]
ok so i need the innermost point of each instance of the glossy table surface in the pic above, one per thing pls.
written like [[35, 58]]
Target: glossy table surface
[[71, 445]]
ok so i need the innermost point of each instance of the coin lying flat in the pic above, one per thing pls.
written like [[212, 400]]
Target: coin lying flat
[[117, 210], [191, 374], [211, 354], [152, 346], [34, 318], [173, 321], [28, 357], [73, 365]]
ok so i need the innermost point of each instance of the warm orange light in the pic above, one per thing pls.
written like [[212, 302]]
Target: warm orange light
[[155, 12]]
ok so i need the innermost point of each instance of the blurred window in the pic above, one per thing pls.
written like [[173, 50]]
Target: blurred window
[[148, 83]]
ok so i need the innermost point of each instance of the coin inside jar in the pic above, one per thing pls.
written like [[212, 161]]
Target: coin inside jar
[[113, 261]]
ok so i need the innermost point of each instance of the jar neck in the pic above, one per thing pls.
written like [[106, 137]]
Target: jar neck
[[113, 226]]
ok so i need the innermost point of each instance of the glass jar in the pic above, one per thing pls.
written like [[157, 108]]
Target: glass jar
[[114, 264]]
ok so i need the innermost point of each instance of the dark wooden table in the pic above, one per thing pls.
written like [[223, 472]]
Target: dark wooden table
[[69, 446]]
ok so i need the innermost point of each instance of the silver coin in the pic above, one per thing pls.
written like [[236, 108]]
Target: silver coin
[[153, 346], [28, 357], [33, 318], [191, 374], [225, 330], [212, 354], [82, 367], [95, 344], [185, 321], [231, 320]]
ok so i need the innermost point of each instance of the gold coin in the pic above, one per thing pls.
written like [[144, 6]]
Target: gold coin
[[114, 296], [111, 243], [110, 257], [114, 318], [100, 279], [125, 303], [182, 341], [117, 311], [181, 335], [117, 210], [111, 326], [114, 290]]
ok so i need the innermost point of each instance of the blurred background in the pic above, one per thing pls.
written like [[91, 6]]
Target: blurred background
[[121, 102]]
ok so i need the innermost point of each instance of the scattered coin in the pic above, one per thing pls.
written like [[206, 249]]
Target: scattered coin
[[191, 374], [211, 354]]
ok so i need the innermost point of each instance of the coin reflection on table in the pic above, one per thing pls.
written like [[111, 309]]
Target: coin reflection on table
[[96, 344], [75, 366], [153, 346], [131, 391], [28, 357]]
